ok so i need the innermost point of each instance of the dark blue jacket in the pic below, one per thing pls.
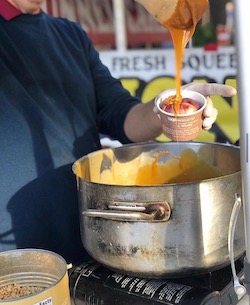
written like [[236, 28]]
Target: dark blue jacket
[[55, 98]]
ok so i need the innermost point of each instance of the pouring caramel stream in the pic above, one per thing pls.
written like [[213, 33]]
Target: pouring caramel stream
[[181, 26], [180, 18]]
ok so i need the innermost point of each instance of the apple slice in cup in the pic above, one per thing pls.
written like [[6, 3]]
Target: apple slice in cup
[[187, 105], [186, 123]]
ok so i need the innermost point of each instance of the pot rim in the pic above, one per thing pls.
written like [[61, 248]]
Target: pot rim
[[154, 143]]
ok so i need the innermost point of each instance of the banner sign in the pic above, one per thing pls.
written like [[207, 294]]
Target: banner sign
[[145, 73]]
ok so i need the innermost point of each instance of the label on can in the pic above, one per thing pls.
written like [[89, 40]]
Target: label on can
[[47, 301]]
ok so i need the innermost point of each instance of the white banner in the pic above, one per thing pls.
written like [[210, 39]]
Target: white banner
[[148, 64]]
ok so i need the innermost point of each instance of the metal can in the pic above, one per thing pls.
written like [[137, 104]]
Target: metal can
[[35, 268]]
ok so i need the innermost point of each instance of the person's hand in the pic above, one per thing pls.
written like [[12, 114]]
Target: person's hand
[[210, 112], [209, 89]]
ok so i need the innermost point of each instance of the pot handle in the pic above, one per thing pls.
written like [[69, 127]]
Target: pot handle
[[239, 289], [151, 212]]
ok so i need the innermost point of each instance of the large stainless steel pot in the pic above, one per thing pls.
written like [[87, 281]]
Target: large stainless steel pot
[[167, 230]]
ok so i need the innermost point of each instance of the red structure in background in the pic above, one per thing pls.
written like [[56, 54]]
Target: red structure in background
[[96, 17]]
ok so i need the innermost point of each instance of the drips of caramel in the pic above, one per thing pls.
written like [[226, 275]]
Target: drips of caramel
[[171, 100]]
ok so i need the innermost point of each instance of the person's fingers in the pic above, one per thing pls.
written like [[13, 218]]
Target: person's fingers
[[208, 122], [209, 89], [208, 110], [210, 114]]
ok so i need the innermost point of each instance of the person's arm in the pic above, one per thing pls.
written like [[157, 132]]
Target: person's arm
[[143, 124]]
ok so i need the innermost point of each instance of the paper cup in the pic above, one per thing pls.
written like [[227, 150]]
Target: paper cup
[[181, 127]]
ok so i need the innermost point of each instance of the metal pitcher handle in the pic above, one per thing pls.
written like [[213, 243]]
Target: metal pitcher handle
[[239, 289]]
